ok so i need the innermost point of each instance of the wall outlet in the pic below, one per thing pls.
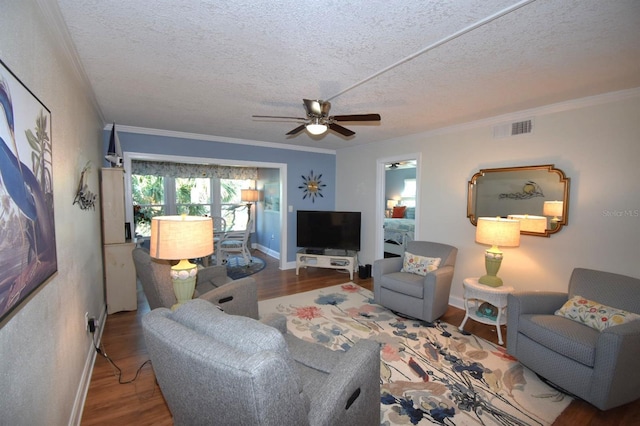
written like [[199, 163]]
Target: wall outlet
[[273, 236], [92, 324]]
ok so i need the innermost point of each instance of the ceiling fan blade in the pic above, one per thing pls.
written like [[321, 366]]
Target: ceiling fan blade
[[342, 130], [316, 108], [357, 117], [297, 130], [278, 116]]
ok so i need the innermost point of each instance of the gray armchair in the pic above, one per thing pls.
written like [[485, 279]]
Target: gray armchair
[[239, 297], [600, 367], [423, 297], [215, 368]]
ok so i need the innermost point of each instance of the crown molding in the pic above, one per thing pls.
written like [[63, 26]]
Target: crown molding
[[211, 138]]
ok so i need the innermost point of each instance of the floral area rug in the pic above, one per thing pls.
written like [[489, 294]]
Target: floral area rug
[[430, 372]]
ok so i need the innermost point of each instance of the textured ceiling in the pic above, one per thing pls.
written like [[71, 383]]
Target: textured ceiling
[[206, 66]]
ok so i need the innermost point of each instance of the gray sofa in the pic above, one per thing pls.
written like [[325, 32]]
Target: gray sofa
[[600, 367], [215, 368], [239, 297], [423, 297]]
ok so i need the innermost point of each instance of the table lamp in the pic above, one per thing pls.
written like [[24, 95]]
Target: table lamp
[[390, 205], [181, 238], [553, 208], [530, 223], [496, 232]]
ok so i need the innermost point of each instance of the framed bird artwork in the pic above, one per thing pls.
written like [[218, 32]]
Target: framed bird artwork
[[27, 233]]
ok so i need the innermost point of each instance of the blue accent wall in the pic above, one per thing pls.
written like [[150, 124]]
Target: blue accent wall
[[299, 163]]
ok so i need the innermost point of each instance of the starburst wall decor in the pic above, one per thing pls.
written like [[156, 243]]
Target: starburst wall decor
[[311, 186]]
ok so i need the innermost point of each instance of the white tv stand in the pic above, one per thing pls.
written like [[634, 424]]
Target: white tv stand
[[332, 259]]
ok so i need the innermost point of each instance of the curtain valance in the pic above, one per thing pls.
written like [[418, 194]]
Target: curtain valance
[[183, 170]]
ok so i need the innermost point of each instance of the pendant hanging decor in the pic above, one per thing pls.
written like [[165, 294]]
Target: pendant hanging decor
[[311, 186]]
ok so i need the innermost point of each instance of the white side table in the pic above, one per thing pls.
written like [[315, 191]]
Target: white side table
[[478, 293]]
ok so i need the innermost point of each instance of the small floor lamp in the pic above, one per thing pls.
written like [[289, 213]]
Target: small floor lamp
[[249, 196], [182, 238], [496, 232]]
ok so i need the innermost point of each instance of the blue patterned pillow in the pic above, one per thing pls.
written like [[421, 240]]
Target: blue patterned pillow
[[410, 213]]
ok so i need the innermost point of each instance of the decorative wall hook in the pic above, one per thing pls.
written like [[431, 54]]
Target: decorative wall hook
[[85, 198]]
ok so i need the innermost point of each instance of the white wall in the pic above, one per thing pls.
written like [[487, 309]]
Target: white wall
[[44, 348], [594, 141]]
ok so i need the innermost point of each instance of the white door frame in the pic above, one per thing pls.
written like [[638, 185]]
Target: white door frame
[[381, 202]]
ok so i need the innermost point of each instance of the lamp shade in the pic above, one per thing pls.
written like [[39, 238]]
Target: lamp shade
[[530, 223], [391, 204], [496, 231], [181, 237], [249, 195], [552, 208]]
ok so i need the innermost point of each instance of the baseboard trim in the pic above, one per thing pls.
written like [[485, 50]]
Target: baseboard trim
[[87, 371], [456, 302]]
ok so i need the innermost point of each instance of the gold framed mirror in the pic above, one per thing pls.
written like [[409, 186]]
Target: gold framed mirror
[[538, 196]]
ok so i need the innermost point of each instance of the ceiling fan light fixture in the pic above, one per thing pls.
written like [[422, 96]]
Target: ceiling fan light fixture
[[316, 127]]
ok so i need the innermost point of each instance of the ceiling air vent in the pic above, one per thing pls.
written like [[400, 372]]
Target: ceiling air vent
[[513, 129]]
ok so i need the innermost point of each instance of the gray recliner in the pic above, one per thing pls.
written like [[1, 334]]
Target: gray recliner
[[600, 367], [215, 368], [423, 297], [237, 297]]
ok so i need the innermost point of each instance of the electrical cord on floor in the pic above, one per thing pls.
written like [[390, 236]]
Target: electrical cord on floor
[[119, 374]]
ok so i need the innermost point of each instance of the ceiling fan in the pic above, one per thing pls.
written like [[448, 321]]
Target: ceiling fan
[[401, 165], [318, 119]]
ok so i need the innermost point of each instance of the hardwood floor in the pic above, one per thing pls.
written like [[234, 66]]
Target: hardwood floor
[[141, 403]]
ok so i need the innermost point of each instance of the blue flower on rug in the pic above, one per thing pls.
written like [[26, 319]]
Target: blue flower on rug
[[331, 299]]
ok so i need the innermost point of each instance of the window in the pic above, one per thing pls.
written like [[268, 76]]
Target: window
[[193, 196], [408, 195], [162, 195], [232, 209], [148, 201]]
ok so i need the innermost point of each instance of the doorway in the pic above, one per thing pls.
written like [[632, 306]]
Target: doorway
[[398, 189]]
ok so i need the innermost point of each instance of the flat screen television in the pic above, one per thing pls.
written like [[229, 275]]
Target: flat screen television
[[320, 230]]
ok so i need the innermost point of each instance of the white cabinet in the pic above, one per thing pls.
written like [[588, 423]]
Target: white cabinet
[[112, 203], [120, 277], [119, 271]]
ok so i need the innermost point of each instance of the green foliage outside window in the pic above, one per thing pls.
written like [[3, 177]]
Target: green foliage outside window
[[192, 197]]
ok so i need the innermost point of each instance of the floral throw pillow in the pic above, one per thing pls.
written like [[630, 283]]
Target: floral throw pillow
[[594, 314], [420, 265]]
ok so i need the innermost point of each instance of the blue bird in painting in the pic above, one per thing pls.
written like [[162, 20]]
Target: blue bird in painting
[[25, 192], [10, 167]]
